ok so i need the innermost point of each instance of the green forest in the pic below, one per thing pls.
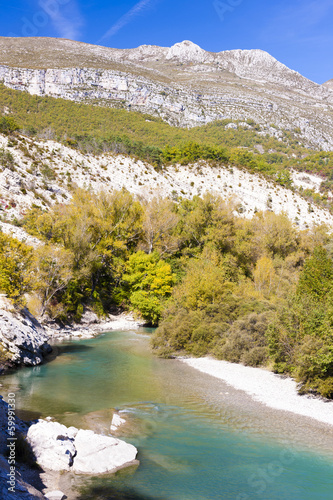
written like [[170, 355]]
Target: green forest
[[258, 291]]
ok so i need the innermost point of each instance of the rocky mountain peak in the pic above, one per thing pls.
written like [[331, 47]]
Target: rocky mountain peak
[[258, 65], [328, 84], [187, 51]]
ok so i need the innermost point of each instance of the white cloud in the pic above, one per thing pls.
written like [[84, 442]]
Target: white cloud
[[127, 18], [65, 17]]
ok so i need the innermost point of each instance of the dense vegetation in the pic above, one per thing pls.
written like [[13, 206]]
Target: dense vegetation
[[254, 291]]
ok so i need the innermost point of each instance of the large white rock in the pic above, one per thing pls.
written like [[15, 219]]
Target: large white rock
[[52, 444], [97, 454], [58, 447]]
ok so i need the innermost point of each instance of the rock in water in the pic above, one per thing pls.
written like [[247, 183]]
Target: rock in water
[[97, 454], [117, 421], [57, 447], [52, 444]]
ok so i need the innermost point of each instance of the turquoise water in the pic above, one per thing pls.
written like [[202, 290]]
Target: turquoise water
[[198, 439]]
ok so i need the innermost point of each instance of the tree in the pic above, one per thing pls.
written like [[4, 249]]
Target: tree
[[264, 275], [149, 281], [159, 222], [53, 272], [208, 281], [316, 279], [274, 234], [8, 125], [15, 267]]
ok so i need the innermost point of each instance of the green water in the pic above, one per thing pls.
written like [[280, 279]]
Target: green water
[[198, 439]]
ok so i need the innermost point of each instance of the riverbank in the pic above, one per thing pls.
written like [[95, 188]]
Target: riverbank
[[274, 391], [91, 326], [25, 340]]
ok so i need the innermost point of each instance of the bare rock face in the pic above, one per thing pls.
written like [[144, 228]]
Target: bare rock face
[[110, 172], [22, 338], [188, 52], [57, 447]]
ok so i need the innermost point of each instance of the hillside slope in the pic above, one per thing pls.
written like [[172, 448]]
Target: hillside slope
[[184, 85], [44, 172]]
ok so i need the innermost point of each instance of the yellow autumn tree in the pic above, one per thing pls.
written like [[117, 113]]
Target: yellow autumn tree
[[15, 267], [264, 276]]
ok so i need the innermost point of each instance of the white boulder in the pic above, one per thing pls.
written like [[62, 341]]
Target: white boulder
[[52, 445], [58, 447], [97, 454]]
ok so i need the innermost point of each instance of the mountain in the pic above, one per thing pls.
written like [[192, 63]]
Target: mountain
[[185, 85], [329, 84]]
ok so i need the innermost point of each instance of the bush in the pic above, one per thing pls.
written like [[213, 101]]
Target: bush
[[245, 342], [8, 125], [325, 387]]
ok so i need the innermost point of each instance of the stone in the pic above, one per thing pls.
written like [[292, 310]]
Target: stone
[[116, 422], [89, 318], [96, 454], [58, 448], [52, 446], [55, 495]]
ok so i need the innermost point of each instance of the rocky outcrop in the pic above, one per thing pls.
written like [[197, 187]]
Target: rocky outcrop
[[23, 340], [97, 454], [57, 447], [22, 490], [183, 84]]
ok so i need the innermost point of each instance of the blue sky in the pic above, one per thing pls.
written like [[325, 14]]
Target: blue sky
[[298, 33]]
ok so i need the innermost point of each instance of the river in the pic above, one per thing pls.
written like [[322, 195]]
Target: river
[[198, 438]]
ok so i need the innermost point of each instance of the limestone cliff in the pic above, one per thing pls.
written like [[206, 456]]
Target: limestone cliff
[[23, 341], [185, 85]]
